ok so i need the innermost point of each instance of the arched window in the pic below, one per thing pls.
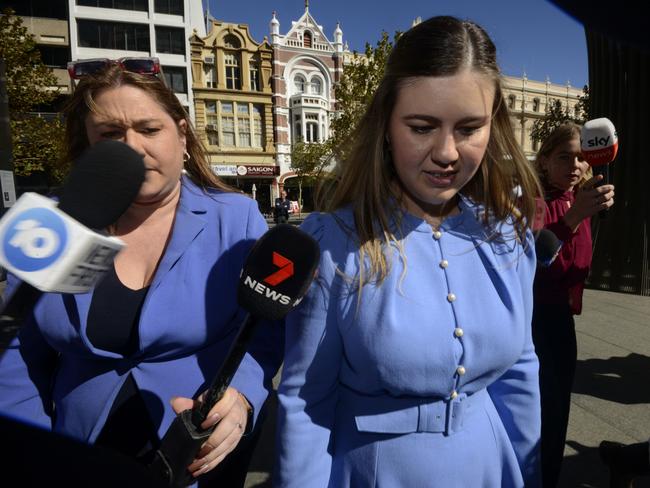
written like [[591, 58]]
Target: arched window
[[306, 39], [316, 86], [511, 101], [299, 84], [536, 105], [231, 42]]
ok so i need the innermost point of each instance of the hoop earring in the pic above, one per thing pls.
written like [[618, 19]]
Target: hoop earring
[[186, 156]]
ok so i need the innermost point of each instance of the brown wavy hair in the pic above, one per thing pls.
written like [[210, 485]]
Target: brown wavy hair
[[439, 46], [82, 102]]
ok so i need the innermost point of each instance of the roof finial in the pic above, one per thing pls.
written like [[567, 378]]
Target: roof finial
[[306, 5]]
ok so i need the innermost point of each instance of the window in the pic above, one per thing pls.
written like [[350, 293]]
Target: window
[[210, 75], [54, 56], [258, 112], [231, 42], [511, 101], [171, 7], [211, 122], [175, 78], [113, 35], [139, 5], [535, 145], [299, 83], [170, 40], [306, 39], [255, 76], [51, 9], [536, 105], [244, 128], [316, 86], [233, 73], [311, 128]]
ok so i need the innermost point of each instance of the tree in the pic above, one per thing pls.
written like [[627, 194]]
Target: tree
[[36, 140], [556, 115], [358, 84], [308, 161]]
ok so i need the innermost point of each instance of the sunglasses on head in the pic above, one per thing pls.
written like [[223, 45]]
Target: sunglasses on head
[[144, 66]]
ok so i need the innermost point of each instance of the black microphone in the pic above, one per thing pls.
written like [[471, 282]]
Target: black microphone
[[51, 248], [547, 247], [275, 277]]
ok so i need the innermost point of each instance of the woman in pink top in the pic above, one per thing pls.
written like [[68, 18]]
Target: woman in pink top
[[571, 199]]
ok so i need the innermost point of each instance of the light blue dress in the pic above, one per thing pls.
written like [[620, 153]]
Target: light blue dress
[[430, 380]]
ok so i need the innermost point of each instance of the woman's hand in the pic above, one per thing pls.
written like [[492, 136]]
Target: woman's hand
[[590, 200], [230, 415]]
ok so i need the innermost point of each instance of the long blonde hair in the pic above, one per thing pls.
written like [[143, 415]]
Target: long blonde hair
[[439, 46], [82, 101]]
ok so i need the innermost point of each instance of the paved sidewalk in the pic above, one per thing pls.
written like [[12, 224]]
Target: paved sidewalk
[[611, 398]]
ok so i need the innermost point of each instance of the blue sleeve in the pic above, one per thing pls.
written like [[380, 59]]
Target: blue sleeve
[[308, 391], [516, 393], [27, 368], [264, 355]]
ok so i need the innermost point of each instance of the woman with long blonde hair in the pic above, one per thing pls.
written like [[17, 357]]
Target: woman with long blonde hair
[[412, 353]]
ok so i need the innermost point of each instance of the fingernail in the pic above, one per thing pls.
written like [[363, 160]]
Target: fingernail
[[201, 470]]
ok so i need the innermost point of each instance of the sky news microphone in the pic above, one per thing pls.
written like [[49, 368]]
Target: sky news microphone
[[275, 277], [547, 247], [599, 146], [51, 247], [599, 142]]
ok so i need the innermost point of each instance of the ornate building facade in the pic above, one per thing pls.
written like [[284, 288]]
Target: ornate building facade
[[306, 68], [233, 100], [527, 101]]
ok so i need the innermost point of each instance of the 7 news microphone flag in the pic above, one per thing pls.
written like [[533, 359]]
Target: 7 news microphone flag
[[275, 277]]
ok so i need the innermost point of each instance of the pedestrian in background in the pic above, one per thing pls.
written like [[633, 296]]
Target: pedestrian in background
[[572, 197], [410, 361], [282, 208]]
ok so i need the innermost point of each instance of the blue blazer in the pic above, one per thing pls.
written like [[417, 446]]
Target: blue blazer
[[427, 379], [53, 376]]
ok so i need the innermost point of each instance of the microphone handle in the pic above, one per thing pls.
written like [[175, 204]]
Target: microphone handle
[[603, 170], [16, 306], [184, 438]]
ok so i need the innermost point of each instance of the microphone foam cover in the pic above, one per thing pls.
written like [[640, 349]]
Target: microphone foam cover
[[278, 271], [599, 141], [547, 245], [102, 183]]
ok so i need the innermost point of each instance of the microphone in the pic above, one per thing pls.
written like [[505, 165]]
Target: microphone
[[599, 141], [599, 145], [275, 277], [49, 247], [547, 247]]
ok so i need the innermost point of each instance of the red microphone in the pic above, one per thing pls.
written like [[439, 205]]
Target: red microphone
[[599, 142]]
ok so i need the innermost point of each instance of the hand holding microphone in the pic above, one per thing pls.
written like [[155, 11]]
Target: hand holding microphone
[[599, 145], [275, 277]]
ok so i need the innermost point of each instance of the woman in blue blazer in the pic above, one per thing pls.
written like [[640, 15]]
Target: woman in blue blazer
[[410, 361], [103, 367]]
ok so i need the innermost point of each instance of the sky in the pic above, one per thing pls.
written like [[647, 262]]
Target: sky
[[532, 36]]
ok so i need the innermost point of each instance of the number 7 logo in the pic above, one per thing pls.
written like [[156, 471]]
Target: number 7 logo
[[285, 271]]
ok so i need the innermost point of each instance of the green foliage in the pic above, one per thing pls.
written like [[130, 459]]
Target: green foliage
[[358, 84], [556, 115], [308, 161], [36, 140]]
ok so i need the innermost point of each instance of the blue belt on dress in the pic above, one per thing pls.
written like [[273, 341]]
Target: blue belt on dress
[[393, 415]]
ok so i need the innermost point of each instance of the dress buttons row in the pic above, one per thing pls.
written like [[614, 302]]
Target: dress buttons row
[[453, 394], [444, 263], [437, 234], [460, 370], [451, 297], [458, 332]]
